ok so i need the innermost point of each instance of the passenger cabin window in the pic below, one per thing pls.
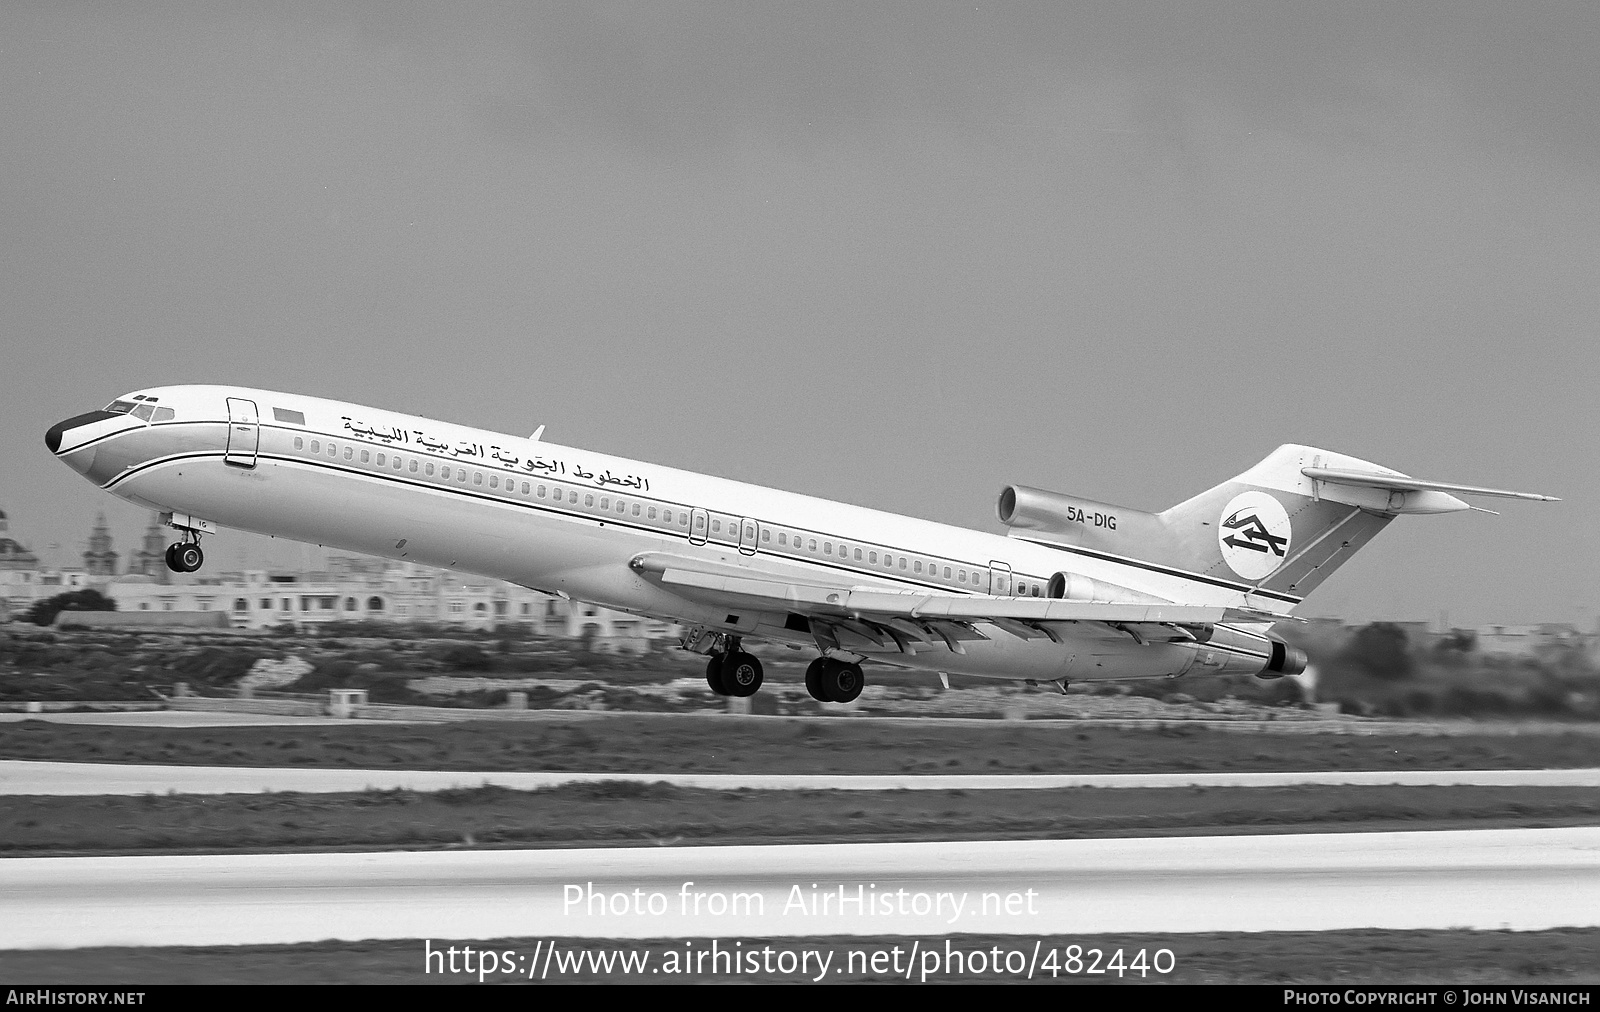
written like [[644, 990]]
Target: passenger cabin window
[[349, 452], [444, 473], [477, 477], [299, 443], [316, 446], [428, 470]]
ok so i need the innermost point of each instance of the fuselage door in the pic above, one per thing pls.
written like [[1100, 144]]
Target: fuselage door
[[747, 537], [699, 527], [999, 579], [244, 433]]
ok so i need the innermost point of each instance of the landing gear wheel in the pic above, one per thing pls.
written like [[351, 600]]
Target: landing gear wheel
[[172, 559], [814, 679], [188, 557], [714, 675], [741, 674], [841, 682]]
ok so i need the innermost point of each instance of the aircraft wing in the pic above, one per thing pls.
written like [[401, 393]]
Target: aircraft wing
[[903, 618]]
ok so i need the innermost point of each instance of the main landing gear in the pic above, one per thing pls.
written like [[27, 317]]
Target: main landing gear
[[834, 681], [733, 672]]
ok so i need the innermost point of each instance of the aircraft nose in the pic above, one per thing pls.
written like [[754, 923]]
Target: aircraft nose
[[52, 438]]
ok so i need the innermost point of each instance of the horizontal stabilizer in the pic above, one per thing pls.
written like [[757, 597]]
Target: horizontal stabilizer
[[1369, 479]]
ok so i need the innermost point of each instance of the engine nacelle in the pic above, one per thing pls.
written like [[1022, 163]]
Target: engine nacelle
[[1233, 651], [1036, 509], [1286, 660], [1077, 587], [1039, 515]]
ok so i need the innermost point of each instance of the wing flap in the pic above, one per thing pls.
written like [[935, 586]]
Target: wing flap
[[907, 619]]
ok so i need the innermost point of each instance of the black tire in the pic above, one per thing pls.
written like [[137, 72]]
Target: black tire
[[189, 558], [172, 559], [842, 682], [814, 679], [741, 674], [714, 675]]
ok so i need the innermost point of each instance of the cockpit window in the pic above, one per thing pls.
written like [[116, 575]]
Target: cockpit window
[[143, 411], [120, 407], [163, 415]]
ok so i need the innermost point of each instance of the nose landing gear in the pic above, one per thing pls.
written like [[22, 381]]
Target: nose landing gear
[[186, 556]]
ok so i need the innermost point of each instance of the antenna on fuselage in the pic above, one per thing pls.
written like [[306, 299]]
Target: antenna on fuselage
[[537, 433]]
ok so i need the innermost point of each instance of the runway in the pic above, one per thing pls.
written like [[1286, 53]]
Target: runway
[[1521, 879], [19, 777], [176, 718]]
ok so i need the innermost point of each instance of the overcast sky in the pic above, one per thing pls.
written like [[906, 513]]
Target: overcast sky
[[899, 254]]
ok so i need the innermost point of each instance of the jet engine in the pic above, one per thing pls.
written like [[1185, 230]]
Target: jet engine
[[1077, 587], [1286, 660]]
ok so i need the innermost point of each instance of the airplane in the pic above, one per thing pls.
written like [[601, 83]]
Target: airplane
[[1075, 591]]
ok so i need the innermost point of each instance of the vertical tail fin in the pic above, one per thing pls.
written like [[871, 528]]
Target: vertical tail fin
[[1282, 526], [1272, 528]]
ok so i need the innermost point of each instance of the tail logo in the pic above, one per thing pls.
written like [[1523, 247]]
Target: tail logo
[[1254, 535]]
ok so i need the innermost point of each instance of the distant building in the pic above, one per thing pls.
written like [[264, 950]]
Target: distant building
[[1532, 641], [13, 556], [359, 589], [19, 568], [98, 558], [151, 558]]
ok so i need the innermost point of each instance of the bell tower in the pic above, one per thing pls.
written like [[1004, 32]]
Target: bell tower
[[100, 560], [151, 559]]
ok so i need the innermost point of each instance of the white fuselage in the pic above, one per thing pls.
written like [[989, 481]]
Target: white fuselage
[[568, 521]]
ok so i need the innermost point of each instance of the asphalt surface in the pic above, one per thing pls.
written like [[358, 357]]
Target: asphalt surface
[[22, 777], [1522, 879]]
